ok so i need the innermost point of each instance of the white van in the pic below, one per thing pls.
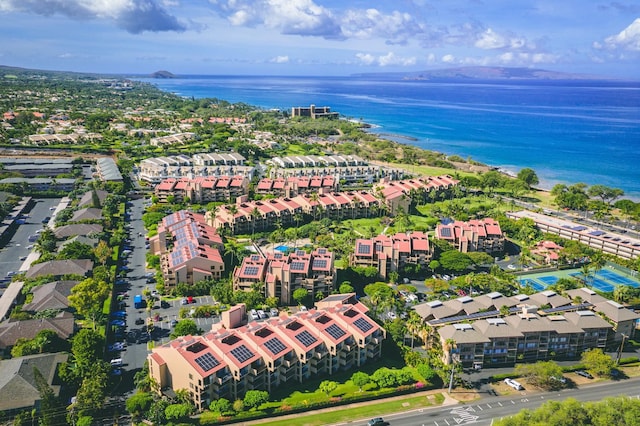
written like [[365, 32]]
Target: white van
[[514, 384]]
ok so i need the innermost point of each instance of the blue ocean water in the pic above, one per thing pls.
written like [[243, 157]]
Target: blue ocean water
[[568, 132]]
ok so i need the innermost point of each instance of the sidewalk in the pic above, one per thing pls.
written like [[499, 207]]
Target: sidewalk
[[448, 400]]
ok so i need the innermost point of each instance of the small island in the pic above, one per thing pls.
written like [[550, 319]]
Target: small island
[[162, 74]]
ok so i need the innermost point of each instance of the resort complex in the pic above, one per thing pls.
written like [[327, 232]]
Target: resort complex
[[217, 262]]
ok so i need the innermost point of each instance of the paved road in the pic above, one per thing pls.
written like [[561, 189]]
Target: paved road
[[485, 411], [135, 281]]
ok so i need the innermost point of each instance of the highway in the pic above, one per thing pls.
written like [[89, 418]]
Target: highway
[[486, 410]]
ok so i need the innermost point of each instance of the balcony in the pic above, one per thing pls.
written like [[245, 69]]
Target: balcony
[[222, 380]]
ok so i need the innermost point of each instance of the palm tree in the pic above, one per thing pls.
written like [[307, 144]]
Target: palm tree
[[449, 347], [413, 325], [425, 332], [255, 214], [586, 272]]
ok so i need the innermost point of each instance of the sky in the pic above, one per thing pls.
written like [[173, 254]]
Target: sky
[[320, 37]]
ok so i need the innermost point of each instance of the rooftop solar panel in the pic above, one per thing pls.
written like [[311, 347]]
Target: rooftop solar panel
[[207, 362], [320, 263], [306, 338], [445, 232], [297, 266], [241, 353], [251, 270], [363, 324], [275, 345], [335, 331], [322, 251], [255, 258], [364, 249]]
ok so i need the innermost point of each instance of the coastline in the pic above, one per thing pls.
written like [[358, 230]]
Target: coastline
[[569, 148]]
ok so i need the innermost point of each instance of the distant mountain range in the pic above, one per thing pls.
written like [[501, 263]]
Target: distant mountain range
[[484, 73]]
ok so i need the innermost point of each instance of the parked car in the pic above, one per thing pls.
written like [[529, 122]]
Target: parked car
[[118, 346], [274, 312], [139, 321], [560, 379], [514, 384], [584, 374], [118, 323], [378, 421], [262, 314]]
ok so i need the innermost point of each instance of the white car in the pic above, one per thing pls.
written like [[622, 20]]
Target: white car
[[514, 384]]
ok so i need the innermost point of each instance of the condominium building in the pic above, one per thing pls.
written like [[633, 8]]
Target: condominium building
[[493, 329], [236, 356], [313, 112], [255, 216], [292, 186], [279, 275], [392, 253], [202, 189], [398, 194], [608, 242], [189, 249], [482, 235], [155, 170]]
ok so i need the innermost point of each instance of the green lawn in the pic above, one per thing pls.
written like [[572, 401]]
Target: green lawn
[[376, 409]]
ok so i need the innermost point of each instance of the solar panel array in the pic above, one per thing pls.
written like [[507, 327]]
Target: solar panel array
[[363, 324], [322, 251], [306, 338], [275, 345], [319, 263], [567, 308], [241, 353], [207, 361], [254, 257], [251, 270], [445, 232], [459, 318], [335, 331], [364, 249], [297, 266]]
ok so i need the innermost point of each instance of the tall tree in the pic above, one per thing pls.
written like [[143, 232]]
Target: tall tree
[[88, 296], [528, 177]]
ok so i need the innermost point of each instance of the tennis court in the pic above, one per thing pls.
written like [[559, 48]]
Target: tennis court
[[605, 280], [617, 279], [534, 285], [600, 284]]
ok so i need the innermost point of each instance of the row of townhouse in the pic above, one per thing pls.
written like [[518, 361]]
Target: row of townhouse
[[398, 193], [392, 253], [292, 186], [348, 174], [254, 216], [300, 161], [483, 235], [189, 249], [608, 242], [279, 275], [202, 189], [235, 356], [493, 329], [57, 138], [155, 170], [176, 138]]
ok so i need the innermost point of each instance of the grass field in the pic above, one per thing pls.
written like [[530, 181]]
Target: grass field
[[348, 414]]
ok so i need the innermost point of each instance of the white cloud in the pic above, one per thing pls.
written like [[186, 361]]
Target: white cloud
[[489, 39], [396, 27], [366, 58], [390, 59], [279, 60], [627, 39], [134, 16], [299, 17], [449, 59]]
